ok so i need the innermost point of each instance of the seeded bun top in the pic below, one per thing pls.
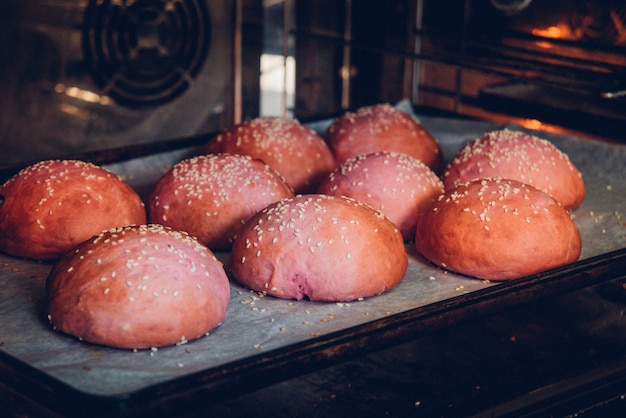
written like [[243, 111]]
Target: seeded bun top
[[518, 156], [295, 151], [382, 127], [497, 229], [212, 196], [319, 247], [138, 287], [396, 184], [54, 205]]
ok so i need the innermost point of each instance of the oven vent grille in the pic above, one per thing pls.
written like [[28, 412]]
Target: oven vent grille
[[145, 52]]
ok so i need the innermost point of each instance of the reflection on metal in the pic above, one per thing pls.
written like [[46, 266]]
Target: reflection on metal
[[613, 94], [346, 68], [82, 94], [510, 7], [237, 64], [74, 111]]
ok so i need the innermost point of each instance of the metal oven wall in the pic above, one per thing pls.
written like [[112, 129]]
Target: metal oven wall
[[78, 75]]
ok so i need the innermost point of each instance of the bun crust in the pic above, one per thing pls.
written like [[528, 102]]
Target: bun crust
[[497, 229], [319, 247], [52, 206], [299, 154], [382, 127], [211, 196], [396, 184], [138, 287], [518, 156]]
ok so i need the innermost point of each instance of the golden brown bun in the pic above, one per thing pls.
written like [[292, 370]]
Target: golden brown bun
[[295, 151], [382, 128], [518, 156], [211, 196], [54, 205], [497, 229], [396, 184], [138, 287], [319, 247]]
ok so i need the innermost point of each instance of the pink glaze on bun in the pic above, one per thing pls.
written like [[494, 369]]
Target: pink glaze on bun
[[382, 127], [54, 205], [497, 229], [396, 184], [319, 247], [212, 196], [298, 153], [518, 156], [138, 287]]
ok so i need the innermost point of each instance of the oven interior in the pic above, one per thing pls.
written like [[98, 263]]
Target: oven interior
[[81, 76], [91, 76], [541, 63]]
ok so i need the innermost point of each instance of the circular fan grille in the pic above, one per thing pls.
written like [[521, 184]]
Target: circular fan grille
[[145, 52]]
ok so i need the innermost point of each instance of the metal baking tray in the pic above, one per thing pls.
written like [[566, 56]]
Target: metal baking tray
[[264, 340]]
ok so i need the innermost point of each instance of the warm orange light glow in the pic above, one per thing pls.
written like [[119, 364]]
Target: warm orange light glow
[[531, 123], [559, 31], [554, 32], [75, 111]]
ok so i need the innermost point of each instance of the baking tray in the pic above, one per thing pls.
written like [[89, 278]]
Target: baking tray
[[264, 340]]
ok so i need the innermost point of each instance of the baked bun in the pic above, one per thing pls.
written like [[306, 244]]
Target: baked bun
[[319, 247], [518, 156], [211, 196], [138, 287], [382, 128], [298, 153], [52, 206], [497, 229], [396, 184]]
